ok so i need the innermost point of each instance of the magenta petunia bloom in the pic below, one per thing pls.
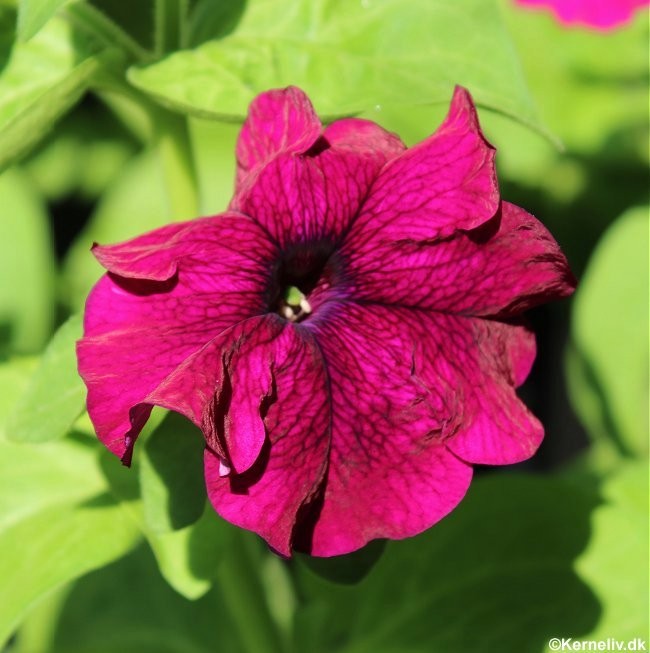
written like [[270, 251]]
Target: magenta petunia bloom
[[597, 14], [347, 335]]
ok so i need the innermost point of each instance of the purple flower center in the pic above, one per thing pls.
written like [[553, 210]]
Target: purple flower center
[[300, 278]]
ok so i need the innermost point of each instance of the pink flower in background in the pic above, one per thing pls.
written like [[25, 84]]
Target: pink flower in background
[[346, 335], [599, 14]]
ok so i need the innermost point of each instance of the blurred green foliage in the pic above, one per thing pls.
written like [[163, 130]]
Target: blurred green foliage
[[116, 118]]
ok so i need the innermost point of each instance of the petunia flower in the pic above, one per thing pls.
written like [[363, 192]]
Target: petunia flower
[[598, 14], [347, 335]]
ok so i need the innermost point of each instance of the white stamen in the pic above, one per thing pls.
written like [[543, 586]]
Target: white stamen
[[304, 305], [287, 312]]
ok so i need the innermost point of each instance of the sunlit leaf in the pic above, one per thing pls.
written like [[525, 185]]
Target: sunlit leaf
[[26, 266], [188, 558], [41, 81], [348, 56], [171, 475], [615, 563], [33, 14], [73, 540], [134, 203], [590, 101], [14, 377], [55, 395], [57, 522], [608, 369]]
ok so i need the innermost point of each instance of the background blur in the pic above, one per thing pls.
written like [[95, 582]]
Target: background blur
[[116, 118]]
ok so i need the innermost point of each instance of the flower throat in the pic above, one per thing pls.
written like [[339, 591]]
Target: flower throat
[[299, 274]]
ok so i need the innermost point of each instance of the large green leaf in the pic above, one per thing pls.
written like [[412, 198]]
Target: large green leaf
[[14, 377], [55, 395], [51, 548], [188, 558], [349, 56], [26, 266], [496, 575], [33, 14], [127, 607], [608, 366], [57, 521], [42, 79], [171, 475], [615, 563]]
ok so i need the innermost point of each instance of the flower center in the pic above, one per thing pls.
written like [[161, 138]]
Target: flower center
[[302, 272], [294, 305]]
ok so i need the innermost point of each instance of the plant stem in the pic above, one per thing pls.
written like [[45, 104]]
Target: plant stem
[[244, 598], [95, 22], [170, 25]]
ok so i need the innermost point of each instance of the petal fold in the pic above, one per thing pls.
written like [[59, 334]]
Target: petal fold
[[269, 497], [310, 198], [390, 473], [502, 268], [444, 184], [137, 331]]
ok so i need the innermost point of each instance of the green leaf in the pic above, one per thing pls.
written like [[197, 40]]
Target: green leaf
[[81, 158], [127, 607], [348, 56], [188, 558], [608, 367], [495, 575], [41, 81], [347, 569], [57, 521], [213, 148], [26, 266], [51, 548], [33, 14], [134, 203], [615, 563], [604, 100], [36, 478], [14, 377], [171, 475], [55, 395]]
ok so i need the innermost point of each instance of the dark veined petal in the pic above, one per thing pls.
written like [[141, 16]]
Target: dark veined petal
[[416, 398], [446, 183], [278, 121], [316, 195], [270, 496], [502, 268], [390, 474], [137, 330]]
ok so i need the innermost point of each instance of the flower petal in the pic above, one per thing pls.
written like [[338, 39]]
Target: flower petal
[[194, 245], [446, 183], [601, 14], [390, 473], [269, 497], [499, 429], [502, 268], [416, 398], [315, 196], [137, 332], [281, 120], [359, 135]]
